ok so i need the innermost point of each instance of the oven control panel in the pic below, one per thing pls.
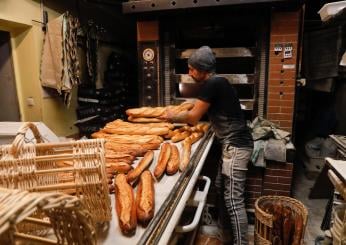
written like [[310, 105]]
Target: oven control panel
[[149, 84]]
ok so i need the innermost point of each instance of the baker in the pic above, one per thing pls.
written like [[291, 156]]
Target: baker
[[218, 99]]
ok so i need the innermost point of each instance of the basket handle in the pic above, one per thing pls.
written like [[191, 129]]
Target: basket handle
[[18, 141]]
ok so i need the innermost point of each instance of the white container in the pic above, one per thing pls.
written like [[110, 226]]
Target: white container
[[330, 9]]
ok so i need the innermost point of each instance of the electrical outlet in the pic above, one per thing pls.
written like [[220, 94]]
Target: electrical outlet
[[30, 101]]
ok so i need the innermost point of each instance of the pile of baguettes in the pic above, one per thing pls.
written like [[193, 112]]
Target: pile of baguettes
[[125, 141]]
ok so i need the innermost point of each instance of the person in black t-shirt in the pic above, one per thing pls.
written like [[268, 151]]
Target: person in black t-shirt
[[218, 99]]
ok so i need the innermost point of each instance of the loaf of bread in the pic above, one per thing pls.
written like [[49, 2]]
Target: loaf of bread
[[185, 160], [146, 111], [132, 139], [118, 167], [125, 205], [123, 124], [194, 137], [145, 119], [112, 156], [164, 156], [154, 112], [174, 161], [145, 198], [186, 106], [180, 136], [137, 130], [132, 149], [143, 164]]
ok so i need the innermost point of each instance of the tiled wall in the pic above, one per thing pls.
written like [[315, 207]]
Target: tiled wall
[[282, 72]]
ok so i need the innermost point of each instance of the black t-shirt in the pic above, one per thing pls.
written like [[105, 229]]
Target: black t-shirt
[[224, 113]]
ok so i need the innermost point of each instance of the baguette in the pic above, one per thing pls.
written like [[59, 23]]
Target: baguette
[[143, 130], [125, 205], [164, 156], [186, 155], [146, 111], [186, 106], [194, 137], [174, 161], [142, 165], [118, 167], [132, 149], [180, 136], [145, 119], [145, 198], [112, 156], [136, 139]]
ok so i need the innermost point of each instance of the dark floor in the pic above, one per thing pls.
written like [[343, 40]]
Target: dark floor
[[316, 207]]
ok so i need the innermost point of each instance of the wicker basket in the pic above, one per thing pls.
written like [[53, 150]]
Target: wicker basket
[[67, 221], [264, 221], [76, 167]]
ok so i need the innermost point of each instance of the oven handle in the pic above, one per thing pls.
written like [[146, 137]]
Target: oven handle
[[199, 200]]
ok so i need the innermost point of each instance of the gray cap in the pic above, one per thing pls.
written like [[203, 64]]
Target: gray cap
[[203, 59]]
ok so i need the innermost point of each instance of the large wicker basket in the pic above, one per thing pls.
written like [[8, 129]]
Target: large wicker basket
[[264, 221], [66, 221], [76, 167]]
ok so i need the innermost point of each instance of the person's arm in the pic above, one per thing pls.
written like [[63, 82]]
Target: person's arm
[[191, 117]]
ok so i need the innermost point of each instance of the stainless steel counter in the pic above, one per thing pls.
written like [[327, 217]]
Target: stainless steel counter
[[170, 201]]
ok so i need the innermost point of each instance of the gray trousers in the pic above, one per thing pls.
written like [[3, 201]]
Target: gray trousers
[[230, 183]]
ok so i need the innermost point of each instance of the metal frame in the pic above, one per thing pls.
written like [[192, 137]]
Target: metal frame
[[157, 5]]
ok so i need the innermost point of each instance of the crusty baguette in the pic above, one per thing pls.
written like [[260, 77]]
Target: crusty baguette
[[180, 136], [145, 197], [205, 127], [186, 106], [112, 156], [145, 119], [174, 161], [169, 135], [146, 111], [143, 130], [142, 165], [132, 149], [164, 156], [186, 155], [136, 139], [194, 137], [119, 167], [125, 205]]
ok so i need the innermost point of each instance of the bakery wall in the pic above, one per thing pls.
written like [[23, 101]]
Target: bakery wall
[[17, 17]]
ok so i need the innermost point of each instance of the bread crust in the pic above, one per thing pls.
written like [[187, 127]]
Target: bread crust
[[125, 205], [165, 154], [174, 161], [186, 155], [143, 164], [145, 198], [180, 136], [118, 167]]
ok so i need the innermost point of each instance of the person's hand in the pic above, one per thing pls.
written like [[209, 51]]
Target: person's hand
[[167, 115]]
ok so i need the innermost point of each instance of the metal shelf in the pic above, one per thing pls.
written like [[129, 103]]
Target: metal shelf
[[219, 52], [233, 78], [156, 5]]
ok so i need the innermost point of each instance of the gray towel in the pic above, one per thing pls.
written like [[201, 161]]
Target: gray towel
[[275, 150]]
